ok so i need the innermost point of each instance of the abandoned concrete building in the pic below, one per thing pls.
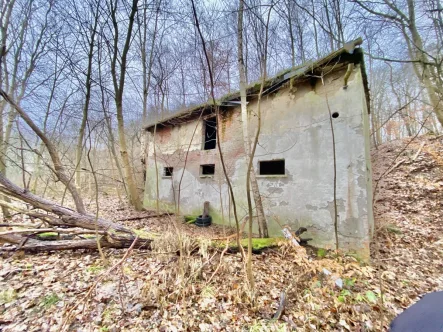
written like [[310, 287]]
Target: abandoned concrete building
[[294, 160]]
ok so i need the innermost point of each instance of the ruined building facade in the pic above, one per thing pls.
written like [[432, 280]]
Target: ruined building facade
[[294, 161]]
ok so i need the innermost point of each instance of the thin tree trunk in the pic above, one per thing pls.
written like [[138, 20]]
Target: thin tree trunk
[[88, 84], [59, 168], [217, 127], [118, 89], [262, 226]]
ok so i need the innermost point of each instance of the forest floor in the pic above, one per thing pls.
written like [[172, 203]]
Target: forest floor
[[160, 291]]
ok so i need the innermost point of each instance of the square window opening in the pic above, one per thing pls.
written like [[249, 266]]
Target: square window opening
[[207, 169], [272, 167], [210, 132], [167, 171]]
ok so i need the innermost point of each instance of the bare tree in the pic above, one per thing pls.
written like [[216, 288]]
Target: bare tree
[[119, 58], [425, 58], [89, 33], [262, 226], [58, 167]]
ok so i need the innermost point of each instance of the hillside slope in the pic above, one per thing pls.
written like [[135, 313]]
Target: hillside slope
[[409, 216]]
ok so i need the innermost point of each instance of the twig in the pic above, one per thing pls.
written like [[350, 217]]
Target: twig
[[419, 150], [281, 307], [395, 166], [99, 279], [219, 264], [55, 230], [18, 225], [146, 216], [335, 176]]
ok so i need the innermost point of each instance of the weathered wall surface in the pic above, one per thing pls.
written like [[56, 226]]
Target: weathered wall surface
[[295, 127]]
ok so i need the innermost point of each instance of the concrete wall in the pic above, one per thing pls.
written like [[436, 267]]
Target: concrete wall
[[295, 127]]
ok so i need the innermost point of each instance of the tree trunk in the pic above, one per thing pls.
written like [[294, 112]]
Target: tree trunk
[[59, 169], [118, 89], [81, 136], [67, 217], [262, 226]]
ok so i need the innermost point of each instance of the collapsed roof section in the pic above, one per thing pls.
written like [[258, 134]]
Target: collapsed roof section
[[349, 53]]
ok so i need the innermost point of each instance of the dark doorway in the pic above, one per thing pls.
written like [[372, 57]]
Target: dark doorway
[[210, 133], [272, 167]]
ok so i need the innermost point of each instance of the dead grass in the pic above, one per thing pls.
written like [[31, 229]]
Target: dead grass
[[197, 289]]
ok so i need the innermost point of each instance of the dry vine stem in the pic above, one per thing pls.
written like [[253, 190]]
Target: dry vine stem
[[219, 264], [65, 324]]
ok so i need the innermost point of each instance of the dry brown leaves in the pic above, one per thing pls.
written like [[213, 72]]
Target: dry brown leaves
[[161, 291]]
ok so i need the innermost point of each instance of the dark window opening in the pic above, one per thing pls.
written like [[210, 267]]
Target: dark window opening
[[210, 133], [335, 115], [272, 167], [207, 169], [167, 171]]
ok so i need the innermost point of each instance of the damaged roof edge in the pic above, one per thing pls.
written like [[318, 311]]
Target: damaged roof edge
[[350, 52]]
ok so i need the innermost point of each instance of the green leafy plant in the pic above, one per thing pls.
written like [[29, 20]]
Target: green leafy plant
[[370, 296], [348, 282], [321, 253], [359, 298], [391, 228], [94, 268], [50, 300], [343, 295], [7, 296]]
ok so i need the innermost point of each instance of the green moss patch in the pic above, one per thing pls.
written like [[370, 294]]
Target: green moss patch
[[190, 219], [258, 244], [47, 236]]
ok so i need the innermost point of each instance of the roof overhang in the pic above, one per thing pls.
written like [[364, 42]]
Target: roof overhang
[[349, 53]]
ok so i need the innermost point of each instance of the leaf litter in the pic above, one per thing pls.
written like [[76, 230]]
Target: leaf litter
[[199, 290]]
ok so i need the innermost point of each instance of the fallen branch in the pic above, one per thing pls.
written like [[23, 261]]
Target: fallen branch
[[112, 235], [281, 306], [65, 215], [18, 225], [33, 245], [419, 150], [55, 230], [395, 166], [146, 216], [65, 323]]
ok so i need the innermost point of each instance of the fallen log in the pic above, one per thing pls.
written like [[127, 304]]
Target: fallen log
[[66, 216], [18, 225], [33, 245], [146, 216], [55, 230], [110, 234]]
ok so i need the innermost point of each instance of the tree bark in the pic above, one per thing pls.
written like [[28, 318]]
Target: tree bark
[[262, 226], [33, 245], [66, 217], [118, 89]]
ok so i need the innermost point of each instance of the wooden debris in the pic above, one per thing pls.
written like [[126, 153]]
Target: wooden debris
[[281, 306]]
